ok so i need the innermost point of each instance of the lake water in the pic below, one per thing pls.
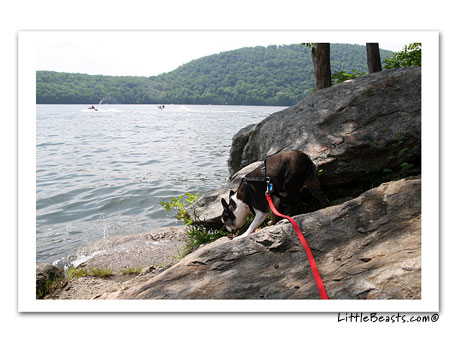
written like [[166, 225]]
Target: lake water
[[104, 173]]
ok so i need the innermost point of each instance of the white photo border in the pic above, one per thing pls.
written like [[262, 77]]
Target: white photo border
[[429, 302]]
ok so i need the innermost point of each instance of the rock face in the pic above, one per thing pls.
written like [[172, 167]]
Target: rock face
[[366, 248], [348, 130]]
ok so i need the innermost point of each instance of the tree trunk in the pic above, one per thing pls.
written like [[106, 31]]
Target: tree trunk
[[373, 57], [321, 55]]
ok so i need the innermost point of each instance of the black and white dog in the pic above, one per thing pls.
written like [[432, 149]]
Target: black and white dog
[[289, 172]]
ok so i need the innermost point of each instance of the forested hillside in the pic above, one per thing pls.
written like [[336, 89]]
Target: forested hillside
[[274, 75]]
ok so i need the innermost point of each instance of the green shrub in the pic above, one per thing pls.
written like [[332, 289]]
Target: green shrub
[[179, 204], [196, 234]]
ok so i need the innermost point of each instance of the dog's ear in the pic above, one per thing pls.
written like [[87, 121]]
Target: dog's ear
[[232, 204], [231, 193], [224, 203]]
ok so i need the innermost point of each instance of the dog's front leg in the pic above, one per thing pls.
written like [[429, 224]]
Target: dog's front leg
[[258, 220]]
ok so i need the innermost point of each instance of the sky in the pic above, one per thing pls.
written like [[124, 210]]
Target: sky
[[150, 53]]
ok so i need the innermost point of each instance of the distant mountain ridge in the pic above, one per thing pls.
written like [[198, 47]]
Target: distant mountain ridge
[[273, 75]]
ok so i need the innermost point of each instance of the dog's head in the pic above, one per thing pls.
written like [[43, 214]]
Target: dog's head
[[234, 213]]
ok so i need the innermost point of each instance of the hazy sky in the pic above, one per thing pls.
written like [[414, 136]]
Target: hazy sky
[[152, 53]]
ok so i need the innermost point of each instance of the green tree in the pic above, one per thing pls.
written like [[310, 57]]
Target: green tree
[[410, 56]]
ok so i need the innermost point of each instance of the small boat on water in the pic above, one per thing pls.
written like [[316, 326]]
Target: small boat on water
[[93, 108], [161, 107]]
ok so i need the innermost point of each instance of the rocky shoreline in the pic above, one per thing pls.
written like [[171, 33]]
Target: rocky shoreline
[[147, 253]]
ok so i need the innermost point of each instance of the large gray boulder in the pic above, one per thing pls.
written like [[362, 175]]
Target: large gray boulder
[[359, 133], [365, 248], [348, 130]]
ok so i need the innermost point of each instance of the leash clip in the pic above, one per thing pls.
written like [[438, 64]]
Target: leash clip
[[269, 185]]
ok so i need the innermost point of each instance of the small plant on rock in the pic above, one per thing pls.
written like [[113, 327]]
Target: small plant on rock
[[398, 152], [179, 204]]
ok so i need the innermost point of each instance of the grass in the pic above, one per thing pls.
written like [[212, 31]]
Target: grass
[[75, 273], [180, 254], [100, 272], [131, 271]]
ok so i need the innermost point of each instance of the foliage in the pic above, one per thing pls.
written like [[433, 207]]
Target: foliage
[[196, 234], [399, 150], [342, 76], [179, 204], [410, 56], [273, 75]]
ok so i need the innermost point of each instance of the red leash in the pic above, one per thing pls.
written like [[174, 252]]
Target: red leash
[[315, 272]]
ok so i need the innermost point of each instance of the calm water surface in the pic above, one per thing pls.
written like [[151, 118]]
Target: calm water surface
[[102, 174]]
